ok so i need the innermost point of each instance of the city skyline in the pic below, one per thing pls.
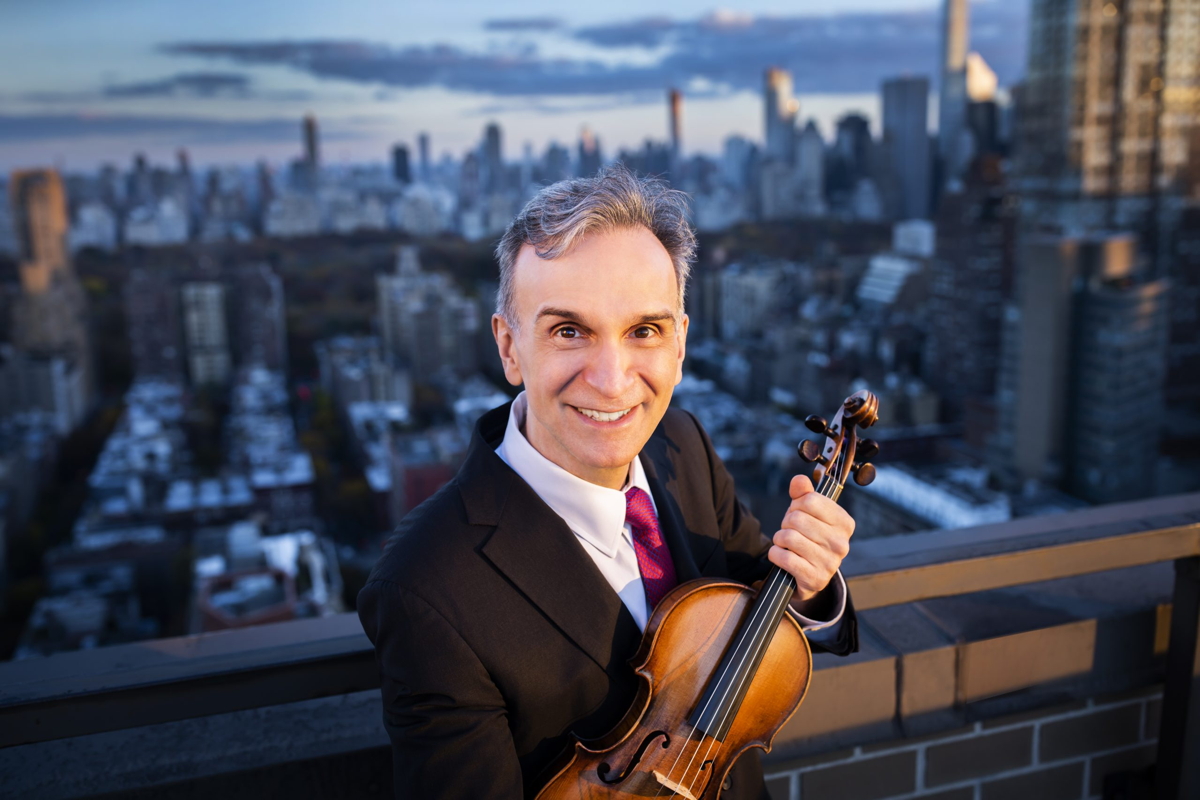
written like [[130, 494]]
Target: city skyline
[[229, 87]]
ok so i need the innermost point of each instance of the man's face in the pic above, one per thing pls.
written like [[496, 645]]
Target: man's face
[[599, 349]]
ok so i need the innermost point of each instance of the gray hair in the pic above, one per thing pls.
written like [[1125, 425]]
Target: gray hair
[[562, 213]]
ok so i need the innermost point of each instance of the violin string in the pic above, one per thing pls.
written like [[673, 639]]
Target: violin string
[[775, 579], [827, 488]]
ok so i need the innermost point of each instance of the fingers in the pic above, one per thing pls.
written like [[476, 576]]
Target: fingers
[[810, 578], [800, 486], [821, 507], [821, 550]]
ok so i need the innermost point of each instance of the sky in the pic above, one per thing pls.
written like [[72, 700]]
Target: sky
[[82, 82]]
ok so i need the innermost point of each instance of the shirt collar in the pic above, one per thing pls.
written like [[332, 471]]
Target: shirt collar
[[594, 513]]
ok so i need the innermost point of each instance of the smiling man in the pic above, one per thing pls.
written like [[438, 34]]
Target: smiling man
[[506, 608]]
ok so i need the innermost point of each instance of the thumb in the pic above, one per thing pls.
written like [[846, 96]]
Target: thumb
[[800, 486]]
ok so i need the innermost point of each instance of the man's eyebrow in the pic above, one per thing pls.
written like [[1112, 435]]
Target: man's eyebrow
[[559, 312], [657, 316]]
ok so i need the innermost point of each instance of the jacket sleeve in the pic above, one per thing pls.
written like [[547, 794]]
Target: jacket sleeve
[[444, 715], [746, 552]]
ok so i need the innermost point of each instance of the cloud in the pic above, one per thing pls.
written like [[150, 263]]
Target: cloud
[[184, 130], [647, 32], [835, 53], [523, 24], [184, 86], [192, 84]]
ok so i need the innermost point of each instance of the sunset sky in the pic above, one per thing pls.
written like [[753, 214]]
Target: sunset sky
[[83, 82]]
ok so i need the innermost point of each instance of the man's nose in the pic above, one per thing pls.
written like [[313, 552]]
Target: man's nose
[[610, 370]]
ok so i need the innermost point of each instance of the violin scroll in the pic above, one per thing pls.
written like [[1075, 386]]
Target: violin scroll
[[843, 453]]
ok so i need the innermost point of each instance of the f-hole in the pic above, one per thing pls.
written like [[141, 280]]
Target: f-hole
[[604, 768]]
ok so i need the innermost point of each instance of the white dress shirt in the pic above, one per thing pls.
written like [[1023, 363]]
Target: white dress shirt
[[596, 515]]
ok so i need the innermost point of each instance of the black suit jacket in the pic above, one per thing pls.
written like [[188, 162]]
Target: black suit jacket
[[496, 635]]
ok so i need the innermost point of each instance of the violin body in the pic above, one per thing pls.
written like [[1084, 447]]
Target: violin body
[[655, 751]]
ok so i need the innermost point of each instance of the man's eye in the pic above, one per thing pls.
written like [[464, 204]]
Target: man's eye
[[567, 332], [644, 332]]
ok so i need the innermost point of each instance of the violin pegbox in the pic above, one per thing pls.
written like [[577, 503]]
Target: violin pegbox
[[843, 454]]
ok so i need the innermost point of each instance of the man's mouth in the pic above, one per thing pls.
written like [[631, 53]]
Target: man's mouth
[[602, 416]]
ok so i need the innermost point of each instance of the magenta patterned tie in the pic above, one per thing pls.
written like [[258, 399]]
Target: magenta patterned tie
[[654, 559]]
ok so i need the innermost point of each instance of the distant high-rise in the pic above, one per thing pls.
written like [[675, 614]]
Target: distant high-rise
[[556, 163], [423, 149], [261, 318], [675, 106], [1110, 113], [39, 207], [906, 141], [810, 171], [205, 332], [493, 159], [970, 281], [311, 154], [152, 325], [400, 166], [589, 153], [1108, 137], [49, 318], [1083, 358], [853, 140], [425, 321], [780, 109], [952, 99]]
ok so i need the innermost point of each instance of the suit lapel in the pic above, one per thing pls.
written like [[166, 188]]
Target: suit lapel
[[536, 551]]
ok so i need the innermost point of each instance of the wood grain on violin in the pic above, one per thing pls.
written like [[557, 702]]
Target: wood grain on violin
[[723, 666]]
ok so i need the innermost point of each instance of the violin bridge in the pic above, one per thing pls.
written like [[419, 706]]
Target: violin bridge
[[676, 788]]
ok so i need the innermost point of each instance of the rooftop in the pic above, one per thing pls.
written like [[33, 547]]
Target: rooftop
[[965, 634]]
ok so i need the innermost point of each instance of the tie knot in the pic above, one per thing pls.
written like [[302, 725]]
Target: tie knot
[[639, 510]]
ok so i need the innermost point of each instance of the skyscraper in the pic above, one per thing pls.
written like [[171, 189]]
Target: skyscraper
[[780, 109], [39, 207], [423, 148], [49, 318], [1083, 357], [1111, 114], [970, 281], [810, 171], [589, 153], [152, 325], [261, 325], [206, 333], [906, 141], [311, 153], [952, 99], [1109, 136], [401, 170], [493, 159], [675, 109]]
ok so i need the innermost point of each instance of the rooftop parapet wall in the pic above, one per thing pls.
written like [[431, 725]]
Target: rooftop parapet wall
[[953, 634]]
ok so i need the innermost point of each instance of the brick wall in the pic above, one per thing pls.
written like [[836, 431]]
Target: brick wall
[[1059, 752]]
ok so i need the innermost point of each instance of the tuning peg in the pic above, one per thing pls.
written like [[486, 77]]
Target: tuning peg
[[867, 449], [816, 424], [810, 451], [818, 474], [863, 473]]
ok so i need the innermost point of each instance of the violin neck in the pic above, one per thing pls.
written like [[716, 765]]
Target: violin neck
[[725, 692]]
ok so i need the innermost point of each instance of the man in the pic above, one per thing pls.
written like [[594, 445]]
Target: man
[[506, 607]]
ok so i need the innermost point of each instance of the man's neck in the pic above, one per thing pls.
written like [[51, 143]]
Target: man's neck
[[615, 478]]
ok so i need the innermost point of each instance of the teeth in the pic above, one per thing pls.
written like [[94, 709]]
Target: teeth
[[603, 416]]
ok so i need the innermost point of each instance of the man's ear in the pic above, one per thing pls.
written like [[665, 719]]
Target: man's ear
[[506, 343], [681, 342]]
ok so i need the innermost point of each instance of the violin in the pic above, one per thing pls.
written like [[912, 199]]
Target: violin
[[723, 666]]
